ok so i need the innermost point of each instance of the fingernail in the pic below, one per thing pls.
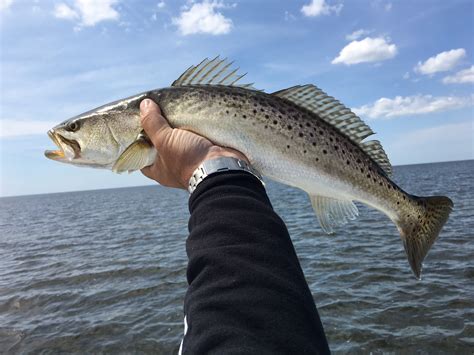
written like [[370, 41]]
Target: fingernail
[[145, 104]]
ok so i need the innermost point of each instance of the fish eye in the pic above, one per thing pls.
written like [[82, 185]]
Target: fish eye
[[72, 126]]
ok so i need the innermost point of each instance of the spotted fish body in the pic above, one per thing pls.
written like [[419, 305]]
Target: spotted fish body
[[300, 137]]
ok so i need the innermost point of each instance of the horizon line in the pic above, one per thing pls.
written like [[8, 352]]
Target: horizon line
[[157, 184]]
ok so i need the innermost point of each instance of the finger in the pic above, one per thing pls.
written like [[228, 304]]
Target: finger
[[154, 124], [148, 172]]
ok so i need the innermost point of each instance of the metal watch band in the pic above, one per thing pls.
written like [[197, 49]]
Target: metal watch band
[[218, 165]]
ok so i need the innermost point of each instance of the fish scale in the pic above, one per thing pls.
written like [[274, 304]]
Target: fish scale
[[299, 136]]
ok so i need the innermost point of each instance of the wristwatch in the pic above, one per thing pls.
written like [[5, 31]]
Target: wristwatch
[[218, 165]]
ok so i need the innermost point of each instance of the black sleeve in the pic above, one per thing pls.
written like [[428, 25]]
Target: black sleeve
[[247, 293]]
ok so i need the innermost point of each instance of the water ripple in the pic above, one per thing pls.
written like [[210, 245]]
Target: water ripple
[[107, 273]]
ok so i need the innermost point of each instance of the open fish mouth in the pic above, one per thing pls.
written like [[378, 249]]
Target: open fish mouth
[[68, 148]]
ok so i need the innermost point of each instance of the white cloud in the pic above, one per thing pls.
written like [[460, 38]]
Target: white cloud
[[406, 76], [161, 5], [412, 105], [90, 12], [319, 7], [366, 50], [443, 61], [388, 7], [65, 12], [461, 77], [357, 34], [5, 4], [203, 18], [15, 128]]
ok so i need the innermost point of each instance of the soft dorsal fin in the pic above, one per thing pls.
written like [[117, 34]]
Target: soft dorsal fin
[[339, 116], [212, 72], [375, 151]]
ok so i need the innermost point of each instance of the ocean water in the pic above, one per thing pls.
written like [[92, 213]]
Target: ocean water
[[104, 271]]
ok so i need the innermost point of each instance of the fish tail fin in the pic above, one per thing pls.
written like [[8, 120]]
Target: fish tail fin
[[420, 230]]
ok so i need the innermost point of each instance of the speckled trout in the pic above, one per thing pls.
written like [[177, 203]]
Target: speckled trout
[[299, 136]]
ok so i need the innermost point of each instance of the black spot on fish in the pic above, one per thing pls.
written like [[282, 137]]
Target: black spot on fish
[[321, 132], [290, 127], [227, 111], [244, 116], [332, 140], [308, 124], [348, 162], [288, 146], [358, 161], [275, 121], [254, 111], [311, 134], [314, 144], [304, 151], [317, 159], [266, 116], [300, 134], [336, 147], [325, 151]]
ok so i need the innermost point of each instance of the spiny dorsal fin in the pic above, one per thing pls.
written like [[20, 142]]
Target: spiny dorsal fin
[[332, 212], [336, 114], [212, 72]]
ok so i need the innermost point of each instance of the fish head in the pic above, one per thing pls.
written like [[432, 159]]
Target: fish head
[[98, 137]]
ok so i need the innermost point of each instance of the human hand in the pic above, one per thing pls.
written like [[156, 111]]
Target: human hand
[[180, 152]]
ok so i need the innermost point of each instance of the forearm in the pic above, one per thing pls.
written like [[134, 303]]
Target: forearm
[[246, 290]]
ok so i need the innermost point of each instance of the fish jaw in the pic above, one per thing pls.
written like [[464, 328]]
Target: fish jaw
[[68, 149]]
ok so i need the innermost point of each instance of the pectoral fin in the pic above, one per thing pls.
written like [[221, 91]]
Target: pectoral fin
[[332, 212], [138, 155]]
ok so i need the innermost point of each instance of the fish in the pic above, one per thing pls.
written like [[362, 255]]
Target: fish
[[299, 136]]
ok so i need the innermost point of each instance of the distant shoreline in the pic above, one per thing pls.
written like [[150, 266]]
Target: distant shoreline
[[154, 185]]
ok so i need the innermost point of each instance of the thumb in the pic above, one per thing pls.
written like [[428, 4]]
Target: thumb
[[155, 125]]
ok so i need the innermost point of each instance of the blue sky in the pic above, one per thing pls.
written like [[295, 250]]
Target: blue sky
[[406, 67]]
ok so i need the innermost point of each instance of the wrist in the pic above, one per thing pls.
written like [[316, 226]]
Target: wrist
[[214, 152], [219, 165]]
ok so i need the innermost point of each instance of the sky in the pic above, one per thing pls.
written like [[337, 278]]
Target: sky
[[405, 67]]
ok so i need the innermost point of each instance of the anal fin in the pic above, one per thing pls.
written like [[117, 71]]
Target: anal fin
[[333, 212], [138, 155]]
